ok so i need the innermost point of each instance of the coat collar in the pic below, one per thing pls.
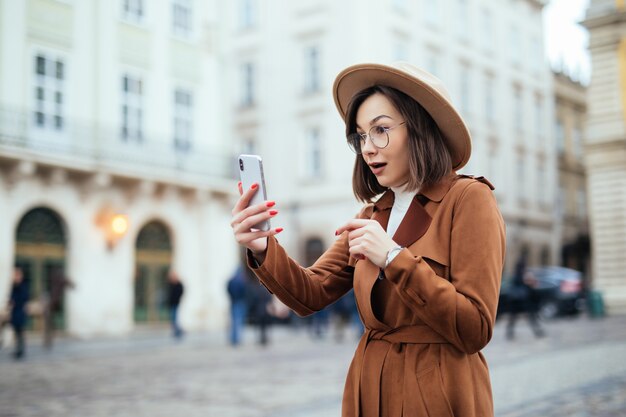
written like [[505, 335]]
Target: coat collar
[[434, 193], [416, 220]]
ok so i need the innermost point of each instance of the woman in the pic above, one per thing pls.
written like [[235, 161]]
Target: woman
[[424, 259]]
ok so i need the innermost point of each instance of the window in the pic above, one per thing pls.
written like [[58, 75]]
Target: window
[[133, 10], [399, 5], [560, 136], [536, 62], [247, 98], [561, 200], [542, 183], [486, 30], [515, 46], [181, 17], [489, 99], [432, 11], [248, 146], [462, 18], [49, 87], [432, 62], [518, 116], [581, 203], [132, 108], [521, 178], [464, 88], [577, 141], [539, 119], [312, 69], [313, 153], [492, 162], [247, 13], [183, 120]]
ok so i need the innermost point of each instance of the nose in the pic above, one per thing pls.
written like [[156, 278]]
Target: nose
[[368, 147]]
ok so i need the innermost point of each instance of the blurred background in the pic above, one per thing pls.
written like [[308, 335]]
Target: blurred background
[[121, 121]]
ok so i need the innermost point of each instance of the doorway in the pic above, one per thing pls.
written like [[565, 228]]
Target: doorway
[[40, 250], [152, 264]]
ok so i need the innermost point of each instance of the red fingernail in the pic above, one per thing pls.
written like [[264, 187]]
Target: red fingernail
[[336, 232], [255, 186], [279, 229], [239, 184], [273, 212], [270, 204]]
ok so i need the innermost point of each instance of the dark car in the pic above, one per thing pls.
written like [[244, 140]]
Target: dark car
[[559, 291]]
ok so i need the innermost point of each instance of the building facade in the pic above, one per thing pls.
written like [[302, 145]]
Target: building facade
[[119, 123], [605, 149], [572, 214], [281, 60], [113, 166]]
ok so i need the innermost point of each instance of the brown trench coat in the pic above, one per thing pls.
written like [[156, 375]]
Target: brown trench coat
[[428, 317]]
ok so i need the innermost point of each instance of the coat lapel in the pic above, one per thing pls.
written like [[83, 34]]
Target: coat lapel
[[414, 224]]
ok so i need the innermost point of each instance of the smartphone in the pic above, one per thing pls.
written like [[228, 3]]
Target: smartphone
[[251, 171]]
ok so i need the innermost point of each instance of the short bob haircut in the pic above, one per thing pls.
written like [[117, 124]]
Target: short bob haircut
[[430, 159]]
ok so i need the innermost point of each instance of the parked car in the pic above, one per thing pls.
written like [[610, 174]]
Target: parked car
[[559, 290]]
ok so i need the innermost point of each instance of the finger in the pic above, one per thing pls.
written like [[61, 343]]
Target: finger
[[245, 198], [240, 188], [356, 233], [250, 211], [246, 238], [357, 252], [351, 225], [251, 221]]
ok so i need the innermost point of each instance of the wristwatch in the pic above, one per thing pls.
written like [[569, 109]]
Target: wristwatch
[[393, 252]]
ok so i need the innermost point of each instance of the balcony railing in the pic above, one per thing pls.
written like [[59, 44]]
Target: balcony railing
[[90, 147]]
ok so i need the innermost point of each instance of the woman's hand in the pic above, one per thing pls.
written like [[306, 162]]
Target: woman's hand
[[245, 217], [367, 239]]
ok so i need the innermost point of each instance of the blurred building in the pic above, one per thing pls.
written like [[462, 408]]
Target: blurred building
[[281, 58], [114, 165], [572, 214], [605, 149]]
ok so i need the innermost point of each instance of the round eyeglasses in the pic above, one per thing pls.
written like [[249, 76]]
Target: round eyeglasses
[[379, 136]]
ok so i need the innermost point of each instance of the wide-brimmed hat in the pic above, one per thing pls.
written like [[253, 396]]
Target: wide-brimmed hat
[[422, 86]]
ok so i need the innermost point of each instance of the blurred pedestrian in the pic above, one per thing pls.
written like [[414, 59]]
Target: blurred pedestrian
[[53, 303], [523, 298], [259, 300], [175, 290], [237, 288], [343, 312], [424, 255], [17, 305]]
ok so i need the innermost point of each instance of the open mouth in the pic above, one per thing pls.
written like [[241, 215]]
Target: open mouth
[[377, 167]]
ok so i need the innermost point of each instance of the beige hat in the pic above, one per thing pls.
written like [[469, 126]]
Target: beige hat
[[422, 86]]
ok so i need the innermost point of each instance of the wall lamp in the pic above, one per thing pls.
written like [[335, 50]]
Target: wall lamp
[[114, 226]]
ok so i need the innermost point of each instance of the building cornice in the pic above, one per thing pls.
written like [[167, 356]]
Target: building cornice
[[611, 18]]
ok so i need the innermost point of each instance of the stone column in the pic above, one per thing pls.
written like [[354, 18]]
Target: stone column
[[605, 150]]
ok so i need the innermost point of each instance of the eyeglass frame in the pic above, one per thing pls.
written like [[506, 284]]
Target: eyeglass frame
[[363, 137]]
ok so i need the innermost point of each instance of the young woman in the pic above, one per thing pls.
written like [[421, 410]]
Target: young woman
[[424, 259]]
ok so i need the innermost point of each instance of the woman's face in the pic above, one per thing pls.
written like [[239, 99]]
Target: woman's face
[[390, 165]]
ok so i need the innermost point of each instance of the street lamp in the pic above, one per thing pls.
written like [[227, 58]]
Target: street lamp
[[114, 226]]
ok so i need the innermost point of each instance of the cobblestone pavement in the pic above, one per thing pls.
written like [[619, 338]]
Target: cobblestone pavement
[[579, 369]]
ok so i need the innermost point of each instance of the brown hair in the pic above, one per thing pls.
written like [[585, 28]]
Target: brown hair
[[429, 159]]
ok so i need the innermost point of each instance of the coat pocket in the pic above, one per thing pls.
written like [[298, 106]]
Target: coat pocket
[[433, 395], [437, 266]]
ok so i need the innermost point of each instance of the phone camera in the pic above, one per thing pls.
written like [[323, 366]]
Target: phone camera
[[240, 164]]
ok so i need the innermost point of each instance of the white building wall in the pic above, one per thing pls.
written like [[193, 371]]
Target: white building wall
[[191, 193]]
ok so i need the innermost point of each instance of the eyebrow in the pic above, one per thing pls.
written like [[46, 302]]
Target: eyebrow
[[375, 119]]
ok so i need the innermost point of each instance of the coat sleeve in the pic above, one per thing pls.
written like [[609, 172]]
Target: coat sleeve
[[463, 308], [307, 290]]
